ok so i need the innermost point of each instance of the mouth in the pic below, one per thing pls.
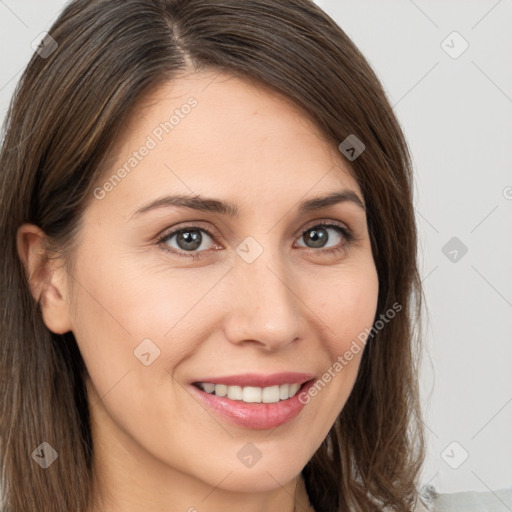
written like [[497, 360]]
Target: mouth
[[255, 401], [251, 394]]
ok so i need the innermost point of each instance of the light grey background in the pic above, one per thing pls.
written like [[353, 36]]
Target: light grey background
[[457, 117]]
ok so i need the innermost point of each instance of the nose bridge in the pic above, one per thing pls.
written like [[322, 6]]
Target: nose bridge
[[263, 307]]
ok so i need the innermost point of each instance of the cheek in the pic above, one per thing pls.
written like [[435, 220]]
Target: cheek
[[143, 300], [346, 302], [124, 310], [156, 298]]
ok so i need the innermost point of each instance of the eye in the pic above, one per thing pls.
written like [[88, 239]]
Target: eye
[[191, 240], [330, 237]]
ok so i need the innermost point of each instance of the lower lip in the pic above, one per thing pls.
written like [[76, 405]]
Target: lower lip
[[254, 415]]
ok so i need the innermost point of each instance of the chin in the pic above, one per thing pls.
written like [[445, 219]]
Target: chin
[[266, 478]]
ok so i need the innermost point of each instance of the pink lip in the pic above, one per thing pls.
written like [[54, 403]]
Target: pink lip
[[260, 381], [254, 415]]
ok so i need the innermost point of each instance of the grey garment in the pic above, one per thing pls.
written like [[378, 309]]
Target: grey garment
[[468, 501]]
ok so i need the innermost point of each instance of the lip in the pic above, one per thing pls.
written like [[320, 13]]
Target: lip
[[259, 380], [257, 416]]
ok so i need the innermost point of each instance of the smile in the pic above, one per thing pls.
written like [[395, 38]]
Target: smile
[[254, 401], [251, 394]]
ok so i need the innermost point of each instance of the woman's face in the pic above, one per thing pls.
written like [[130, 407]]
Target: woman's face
[[250, 295]]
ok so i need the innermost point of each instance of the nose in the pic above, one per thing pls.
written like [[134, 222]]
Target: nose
[[262, 308]]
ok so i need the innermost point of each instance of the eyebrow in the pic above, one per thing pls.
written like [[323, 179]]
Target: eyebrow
[[231, 210]]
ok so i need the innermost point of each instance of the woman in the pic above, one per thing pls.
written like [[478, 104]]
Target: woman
[[209, 274]]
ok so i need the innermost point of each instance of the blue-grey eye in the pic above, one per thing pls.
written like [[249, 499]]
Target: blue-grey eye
[[187, 239], [318, 236]]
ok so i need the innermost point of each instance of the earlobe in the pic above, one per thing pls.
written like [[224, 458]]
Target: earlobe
[[46, 278]]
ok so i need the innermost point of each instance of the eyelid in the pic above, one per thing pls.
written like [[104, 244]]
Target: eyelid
[[167, 232], [323, 222]]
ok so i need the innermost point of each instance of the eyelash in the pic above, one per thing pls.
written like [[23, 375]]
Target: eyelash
[[347, 234]]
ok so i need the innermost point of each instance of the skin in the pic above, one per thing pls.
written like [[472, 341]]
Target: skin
[[294, 308]]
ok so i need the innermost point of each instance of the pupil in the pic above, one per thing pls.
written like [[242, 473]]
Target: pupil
[[189, 240], [318, 237]]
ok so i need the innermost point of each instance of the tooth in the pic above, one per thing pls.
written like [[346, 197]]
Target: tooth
[[270, 395], [251, 394], [293, 389], [208, 387], [235, 392], [221, 389]]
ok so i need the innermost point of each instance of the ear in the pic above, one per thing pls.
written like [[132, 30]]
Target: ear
[[47, 278]]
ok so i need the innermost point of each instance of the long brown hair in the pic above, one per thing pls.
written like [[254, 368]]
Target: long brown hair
[[67, 111]]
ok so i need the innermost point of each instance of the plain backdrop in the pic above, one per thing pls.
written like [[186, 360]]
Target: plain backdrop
[[447, 69]]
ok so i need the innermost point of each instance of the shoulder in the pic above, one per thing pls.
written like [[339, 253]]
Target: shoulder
[[422, 506], [470, 501], [427, 497]]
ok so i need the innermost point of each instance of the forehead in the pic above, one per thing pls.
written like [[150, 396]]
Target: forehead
[[212, 133]]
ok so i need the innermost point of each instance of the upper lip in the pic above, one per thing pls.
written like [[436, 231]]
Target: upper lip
[[260, 380]]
